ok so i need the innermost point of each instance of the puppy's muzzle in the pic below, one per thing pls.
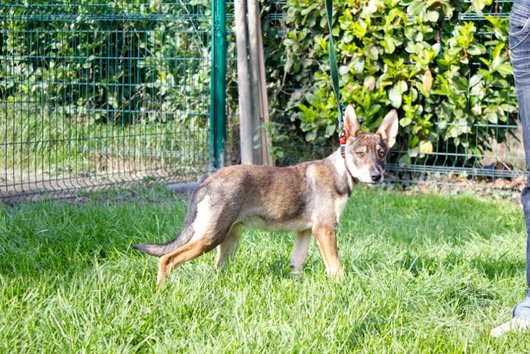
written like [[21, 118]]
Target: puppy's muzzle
[[376, 177]]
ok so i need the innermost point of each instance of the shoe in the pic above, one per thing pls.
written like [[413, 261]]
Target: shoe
[[520, 321], [513, 325]]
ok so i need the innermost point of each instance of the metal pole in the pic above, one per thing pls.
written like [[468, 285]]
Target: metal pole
[[266, 144], [217, 131], [253, 60], [243, 82]]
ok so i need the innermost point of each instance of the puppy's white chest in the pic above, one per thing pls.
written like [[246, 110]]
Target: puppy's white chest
[[340, 204]]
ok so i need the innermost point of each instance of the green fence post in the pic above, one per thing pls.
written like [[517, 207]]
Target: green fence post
[[217, 129]]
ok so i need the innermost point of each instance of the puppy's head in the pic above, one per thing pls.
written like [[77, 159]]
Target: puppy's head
[[366, 152]]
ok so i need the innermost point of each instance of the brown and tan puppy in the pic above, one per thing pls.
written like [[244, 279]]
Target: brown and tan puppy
[[307, 198]]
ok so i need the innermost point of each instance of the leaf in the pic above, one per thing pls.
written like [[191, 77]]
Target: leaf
[[371, 7], [504, 69], [460, 83], [478, 5], [389, 45], [475, 79], [405, 121], [426, 147], [414, 95], [476, 49], [394, 95], [358, 64], [416, 7], [311, 136], [343, 70], [492, 117], [308, 10], [330, 130], [414, 141], [358, 30], [369, 83], [402, 86], [432, 16], [427, 81], [371, 52]]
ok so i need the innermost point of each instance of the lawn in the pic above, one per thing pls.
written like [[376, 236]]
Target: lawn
[[424, 273]]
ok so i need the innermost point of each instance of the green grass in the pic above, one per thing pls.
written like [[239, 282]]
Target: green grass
[[424, 274]]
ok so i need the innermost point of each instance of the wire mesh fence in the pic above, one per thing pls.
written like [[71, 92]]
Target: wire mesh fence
[[93, 94]]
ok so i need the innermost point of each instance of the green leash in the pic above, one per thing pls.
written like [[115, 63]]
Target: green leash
[[335, 76]]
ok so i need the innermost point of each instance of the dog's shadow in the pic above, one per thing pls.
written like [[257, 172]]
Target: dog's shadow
[[279, 268]]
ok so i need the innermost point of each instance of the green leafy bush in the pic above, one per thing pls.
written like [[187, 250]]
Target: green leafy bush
[[450, 78]]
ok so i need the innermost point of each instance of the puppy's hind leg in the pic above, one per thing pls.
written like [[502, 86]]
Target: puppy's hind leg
[[189, 251], [226, 249], [299, 254]]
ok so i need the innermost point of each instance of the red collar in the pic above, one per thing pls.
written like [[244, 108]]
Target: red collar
[[342, 142]]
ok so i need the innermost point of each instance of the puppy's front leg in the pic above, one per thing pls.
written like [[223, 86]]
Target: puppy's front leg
[[299, 254], [327, 242]]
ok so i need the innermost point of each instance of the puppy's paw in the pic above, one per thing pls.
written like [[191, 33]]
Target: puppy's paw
[[160, 279], [296, 275], [337, 274]]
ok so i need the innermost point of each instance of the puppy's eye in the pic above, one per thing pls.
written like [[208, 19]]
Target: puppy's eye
[[360, 154], [381, 153]]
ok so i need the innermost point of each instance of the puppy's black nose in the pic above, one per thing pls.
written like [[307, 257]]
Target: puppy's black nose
[[376, 176]]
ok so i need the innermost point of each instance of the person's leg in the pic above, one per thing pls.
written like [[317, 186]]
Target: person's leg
[[522, 310], [520, 57]]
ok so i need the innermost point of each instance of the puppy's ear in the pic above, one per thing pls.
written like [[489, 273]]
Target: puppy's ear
[[351, 124], [389, 128]]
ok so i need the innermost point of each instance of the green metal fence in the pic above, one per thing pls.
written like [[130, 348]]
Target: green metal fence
[[94, 94]]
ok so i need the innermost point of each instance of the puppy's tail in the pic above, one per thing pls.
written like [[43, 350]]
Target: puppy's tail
[[160, 249]]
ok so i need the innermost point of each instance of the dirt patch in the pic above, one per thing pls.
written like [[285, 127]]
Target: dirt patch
[[452, 184]]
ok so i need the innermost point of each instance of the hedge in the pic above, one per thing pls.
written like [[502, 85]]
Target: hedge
[[444, 65]]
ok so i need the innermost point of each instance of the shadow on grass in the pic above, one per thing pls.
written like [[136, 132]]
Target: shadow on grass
[[499, 268], [45, 237], [279, 266], [359, 331], [66, 239], [426, 219], [36, 257]]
